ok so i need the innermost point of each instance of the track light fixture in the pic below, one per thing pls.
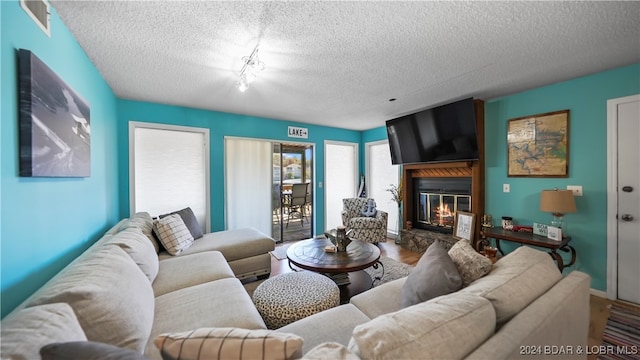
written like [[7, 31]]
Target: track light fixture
[[250, 68]]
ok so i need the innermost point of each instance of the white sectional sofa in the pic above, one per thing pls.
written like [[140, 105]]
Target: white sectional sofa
[[123, 293], [120, 292]]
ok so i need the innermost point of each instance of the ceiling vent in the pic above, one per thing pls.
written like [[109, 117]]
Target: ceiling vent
[[38, 10]]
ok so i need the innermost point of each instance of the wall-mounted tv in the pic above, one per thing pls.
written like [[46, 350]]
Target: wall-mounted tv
[[445, 133]]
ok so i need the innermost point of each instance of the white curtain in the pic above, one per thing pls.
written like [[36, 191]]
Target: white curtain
[[380, 175], [248, 184], [170, 170], [341, 179]]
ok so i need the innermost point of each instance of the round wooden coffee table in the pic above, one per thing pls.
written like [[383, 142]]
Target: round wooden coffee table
[[346, 268]]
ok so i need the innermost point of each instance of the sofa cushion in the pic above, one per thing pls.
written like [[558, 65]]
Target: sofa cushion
[[229, 343], [334, 325], [380, 300], [516, 280], [447, 327], [558, 320], [233, 244], [220, 303], [203, 267], [138, 246], [25, 331], [109, 294], [330, 350], [144, 222], [173, 234], [190, 221], [87, 350], [471, 265], [435, 274]]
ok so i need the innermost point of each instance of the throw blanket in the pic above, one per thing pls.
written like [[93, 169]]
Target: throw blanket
[[369, 209]]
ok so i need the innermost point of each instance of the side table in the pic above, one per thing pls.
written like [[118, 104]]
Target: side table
[[525, 238]]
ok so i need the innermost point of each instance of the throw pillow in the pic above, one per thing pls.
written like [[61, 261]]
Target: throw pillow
[[471, 264], [173, 234], [369, 209], [229, 343], [190, 221], [87, 350], [435, 274]]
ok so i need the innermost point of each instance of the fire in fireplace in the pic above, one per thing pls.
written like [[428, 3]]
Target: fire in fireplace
[[438, 200]]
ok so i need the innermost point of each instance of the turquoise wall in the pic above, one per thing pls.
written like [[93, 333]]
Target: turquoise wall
[[47, 222], [586, 98], [221, 125]]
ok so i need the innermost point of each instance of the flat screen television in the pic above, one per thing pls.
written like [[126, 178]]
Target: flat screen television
[[445, 133]]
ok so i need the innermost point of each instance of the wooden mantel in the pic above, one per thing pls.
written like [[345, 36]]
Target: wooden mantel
[[473, 169]]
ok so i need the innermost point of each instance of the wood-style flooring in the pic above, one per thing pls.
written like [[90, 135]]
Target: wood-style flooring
[[599, 307]]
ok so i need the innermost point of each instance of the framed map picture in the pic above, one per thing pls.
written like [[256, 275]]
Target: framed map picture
[[538, 145]]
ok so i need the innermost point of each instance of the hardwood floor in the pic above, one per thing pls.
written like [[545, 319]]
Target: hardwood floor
[[599, 307]]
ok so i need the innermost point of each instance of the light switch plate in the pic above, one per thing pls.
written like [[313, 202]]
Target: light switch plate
[[577, 189], [506, 188]]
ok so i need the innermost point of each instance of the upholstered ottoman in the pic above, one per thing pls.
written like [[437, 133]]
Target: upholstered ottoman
[[286, 298]]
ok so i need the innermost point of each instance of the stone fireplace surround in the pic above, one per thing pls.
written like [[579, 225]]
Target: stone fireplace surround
[[418, 240]]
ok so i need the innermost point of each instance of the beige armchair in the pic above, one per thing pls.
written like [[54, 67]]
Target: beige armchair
[[370, 229]]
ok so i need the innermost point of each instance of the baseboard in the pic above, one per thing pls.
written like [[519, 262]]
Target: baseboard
[[599, 293]]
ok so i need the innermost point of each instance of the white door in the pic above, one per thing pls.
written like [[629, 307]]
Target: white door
[[625, 113]]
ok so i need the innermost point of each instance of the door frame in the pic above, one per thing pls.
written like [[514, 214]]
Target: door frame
[[612, 192]]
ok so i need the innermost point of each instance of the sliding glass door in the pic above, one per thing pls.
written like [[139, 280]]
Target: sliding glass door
[[248, 184], [260, 177], [292, 191]]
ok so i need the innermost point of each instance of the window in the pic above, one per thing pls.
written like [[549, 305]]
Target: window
[[169, 170], [380, 175], [341, 178]]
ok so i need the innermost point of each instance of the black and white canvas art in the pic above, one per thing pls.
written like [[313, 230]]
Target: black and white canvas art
[[55, 130]]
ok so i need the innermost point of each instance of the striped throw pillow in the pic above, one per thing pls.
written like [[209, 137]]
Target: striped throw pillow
[[173, 234], [229, 343]]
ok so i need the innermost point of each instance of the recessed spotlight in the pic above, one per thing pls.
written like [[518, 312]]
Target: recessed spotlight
[[392, 99]]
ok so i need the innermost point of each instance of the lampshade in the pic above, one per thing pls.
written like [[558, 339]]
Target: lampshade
[[557, 201]]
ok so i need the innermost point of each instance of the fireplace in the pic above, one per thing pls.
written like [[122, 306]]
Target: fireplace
[[435, 188], [437, 200]]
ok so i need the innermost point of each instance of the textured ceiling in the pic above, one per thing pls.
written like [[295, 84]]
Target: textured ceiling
[[339, 63]]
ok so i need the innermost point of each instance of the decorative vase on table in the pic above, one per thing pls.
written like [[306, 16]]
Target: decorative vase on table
[[399, 236]]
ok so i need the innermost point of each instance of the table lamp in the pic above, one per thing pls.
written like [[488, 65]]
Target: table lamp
[[557, 202]]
